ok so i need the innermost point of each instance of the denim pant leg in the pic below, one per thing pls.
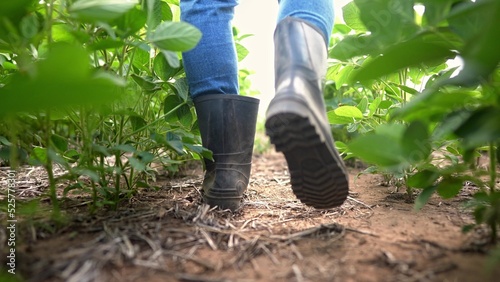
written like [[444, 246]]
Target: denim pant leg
[[316, 12], [212, 66]]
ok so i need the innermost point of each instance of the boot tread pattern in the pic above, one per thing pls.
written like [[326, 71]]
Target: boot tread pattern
[[317, 178]]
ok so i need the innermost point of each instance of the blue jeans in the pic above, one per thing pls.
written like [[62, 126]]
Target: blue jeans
[[211, 67]]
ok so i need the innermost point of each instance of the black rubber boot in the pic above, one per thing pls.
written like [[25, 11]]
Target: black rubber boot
[[227, 127], [296, 119]]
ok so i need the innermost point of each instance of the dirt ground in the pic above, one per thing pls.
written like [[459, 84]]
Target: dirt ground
[[168, 235]]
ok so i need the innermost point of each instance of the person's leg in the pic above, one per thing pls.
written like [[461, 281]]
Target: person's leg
[[296, 120], [226, 122], [211, 67], [317, 12]]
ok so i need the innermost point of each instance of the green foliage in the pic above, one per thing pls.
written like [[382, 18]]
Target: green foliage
[[97, 88], [407, 112]]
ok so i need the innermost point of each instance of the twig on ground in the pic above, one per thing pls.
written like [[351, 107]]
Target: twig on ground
[[317, 230], [362, 232], [201, 262], [359, 202], [298, 273]]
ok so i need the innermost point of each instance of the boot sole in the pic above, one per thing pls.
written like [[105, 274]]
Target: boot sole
[[317, 175]]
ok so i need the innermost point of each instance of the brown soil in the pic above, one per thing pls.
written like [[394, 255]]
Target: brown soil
[[168, 235]]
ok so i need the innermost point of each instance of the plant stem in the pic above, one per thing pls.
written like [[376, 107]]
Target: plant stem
[[48, 167], [118, 173], [49, 8], [493, 166]]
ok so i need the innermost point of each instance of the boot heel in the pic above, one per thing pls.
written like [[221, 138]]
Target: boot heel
[[316, 173]]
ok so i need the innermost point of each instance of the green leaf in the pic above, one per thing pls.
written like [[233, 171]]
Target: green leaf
[[343, 76], [405, 88], [481, 56], [154, 13], [429, 103], [174, 141], [141, 58], [415, 142], [351, 15], [394, 131], [123, 148], [377, 149], [450, 123], [145, 83], [341, 28], [436, 11], [175, 36], [388, 21], [58, 84], [141, 161], [162, 68], [170, 103], [60, 142], [333, 118], [449, 187], [100, 10], [363, 104], [145, 157], [402, 55], [353, 46], [181, 88], [131, 22], [480, 128], [349, 111], [172, 59], [423, 179], [86, 172], [374, 105], [204, 152], [5, 141], [241, 51], [385, 104], [39, 155], [29, 26], [344, 115], [137, 122], [185, 116], [166, 12], [424, 197], [106, 43]]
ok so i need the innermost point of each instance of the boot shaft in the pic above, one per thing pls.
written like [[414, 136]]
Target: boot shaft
[[227, 122], [300, 50], [227, 128]]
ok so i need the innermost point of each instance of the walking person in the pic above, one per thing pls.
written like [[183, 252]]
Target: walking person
[[296, 120]]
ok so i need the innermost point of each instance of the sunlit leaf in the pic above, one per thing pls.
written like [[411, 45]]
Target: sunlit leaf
[[406, 54], [241, 51], [131, 22], [154, 12], [57, 83], [101, 10], [389, 22], [175, 36], [351, 16]]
